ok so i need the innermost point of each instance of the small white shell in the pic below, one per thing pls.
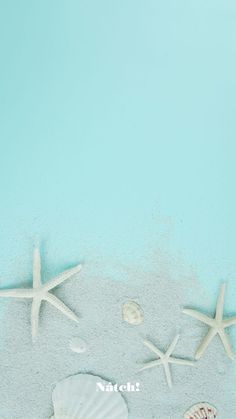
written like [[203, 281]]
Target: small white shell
[[78, 397], [78, 345], [132, 313], [201, 411]]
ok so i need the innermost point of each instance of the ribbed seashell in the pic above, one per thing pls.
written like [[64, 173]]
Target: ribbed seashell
[[78, 397], [132, 313], [201, 411], [78, 345]]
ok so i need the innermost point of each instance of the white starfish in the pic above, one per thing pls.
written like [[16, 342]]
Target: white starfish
[[40, 292], [217, 325], [165, 359]]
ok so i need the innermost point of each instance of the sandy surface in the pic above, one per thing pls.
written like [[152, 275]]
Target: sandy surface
[[115, 349]]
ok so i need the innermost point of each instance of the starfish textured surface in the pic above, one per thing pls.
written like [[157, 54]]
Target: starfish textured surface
[[40, 292], [217, 325], [165, 359]]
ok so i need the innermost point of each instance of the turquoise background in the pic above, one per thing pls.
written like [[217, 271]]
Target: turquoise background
[[118, 134]]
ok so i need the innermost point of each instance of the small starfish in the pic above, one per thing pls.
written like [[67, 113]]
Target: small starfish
[[40, 292], [165, 359], [217, 325]]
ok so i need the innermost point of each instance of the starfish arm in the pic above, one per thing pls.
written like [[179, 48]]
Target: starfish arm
[[35, 317], [151, 364], [180, 361], [220, 303], [229, 322], [205, 343], [153, 348], [37, 269], [172, 346], [52, 299], [226, 343], [62, 277], [168, 374], [199, 316], [17, 293]]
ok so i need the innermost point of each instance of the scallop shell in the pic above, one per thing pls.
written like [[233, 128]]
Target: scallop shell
[[78, 397], [132, 313], [78, 345], [201, 411]]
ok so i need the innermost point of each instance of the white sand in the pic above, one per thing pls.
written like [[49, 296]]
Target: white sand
[[115, 350]]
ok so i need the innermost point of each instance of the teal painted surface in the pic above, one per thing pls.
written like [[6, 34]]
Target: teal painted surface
[[118, 129]]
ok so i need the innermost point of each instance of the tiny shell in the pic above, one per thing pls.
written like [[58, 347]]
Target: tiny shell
[[132, 313], [78, 345], [201, 411]]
